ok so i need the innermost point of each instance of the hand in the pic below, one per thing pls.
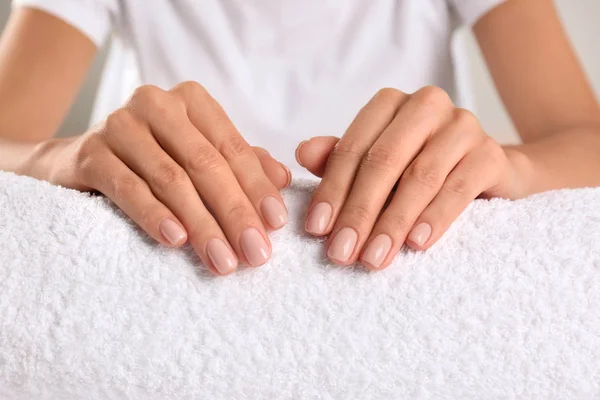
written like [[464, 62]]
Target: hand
[[176, 165], [438, 156]]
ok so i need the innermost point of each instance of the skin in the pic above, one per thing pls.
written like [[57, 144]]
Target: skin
[[203, 185], [440, 157], [417, 151]]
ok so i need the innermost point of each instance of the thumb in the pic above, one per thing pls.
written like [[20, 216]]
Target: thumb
[[277, 173], [313, 154]]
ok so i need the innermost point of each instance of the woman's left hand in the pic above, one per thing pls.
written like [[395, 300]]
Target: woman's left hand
[[438, 156]]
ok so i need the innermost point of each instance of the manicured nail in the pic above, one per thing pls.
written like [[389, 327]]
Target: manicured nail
[[302, 143], [221, 256], [420, 233], [274, 212], [377, 250], [171, 230], [289, 175], [255, 247], [342, 246], [318, 219]]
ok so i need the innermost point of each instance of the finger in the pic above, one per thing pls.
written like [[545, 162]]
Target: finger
[[312, 154], [209, 172], [419, 184], [423, 113], [171, 185], [474, 174], [108, 175], [345, 158], [212, 121], [277, 173]]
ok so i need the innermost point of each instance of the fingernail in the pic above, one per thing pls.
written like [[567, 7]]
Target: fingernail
[[420, 233], [254, 247], [302, 143], [221, 256], [289, 175], [377, 250], [171, 230], [318, 219], [274, 212], [342, 246]]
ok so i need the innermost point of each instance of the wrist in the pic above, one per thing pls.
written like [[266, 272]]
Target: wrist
[[39, 161], [523, 173]]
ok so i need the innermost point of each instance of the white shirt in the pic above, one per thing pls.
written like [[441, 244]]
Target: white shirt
[[284, 70]]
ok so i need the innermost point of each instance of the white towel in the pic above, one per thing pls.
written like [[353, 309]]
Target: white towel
[[505, 306]]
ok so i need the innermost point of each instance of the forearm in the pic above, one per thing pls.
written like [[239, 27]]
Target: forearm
[[35, 159], [15, 154], [570, 159], [43, 62]]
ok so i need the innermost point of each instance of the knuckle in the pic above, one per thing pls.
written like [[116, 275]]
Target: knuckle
[[380, 158], [203, 159], [86, 149], [168, 175], [347, 149], [465, 118], [124, 188], [235, 147], [390, 94], [238, 213], [191, 90], [457, 186], [358, 214], [397, 223], [425, 175], [117, 121], [237, 210], [152, 99], [434, 96], [164, 108], [145, 216], [146, 92]]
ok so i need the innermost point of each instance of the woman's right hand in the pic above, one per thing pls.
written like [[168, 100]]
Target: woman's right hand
[[176, 165]]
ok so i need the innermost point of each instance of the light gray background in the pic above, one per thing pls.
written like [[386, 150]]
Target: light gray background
[[579, 16]]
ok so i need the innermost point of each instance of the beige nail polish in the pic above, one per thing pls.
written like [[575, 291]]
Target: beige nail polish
[[318, 219], [274, 212], [420, 233], [377, 250], [302, 143], [171, 230], [343, 244], [255, 247], [288, 174], [221, 256]]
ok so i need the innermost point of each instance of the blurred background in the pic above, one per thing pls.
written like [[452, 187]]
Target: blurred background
[[580, 18]]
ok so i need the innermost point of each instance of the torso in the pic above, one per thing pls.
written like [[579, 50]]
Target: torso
[[283, 70]]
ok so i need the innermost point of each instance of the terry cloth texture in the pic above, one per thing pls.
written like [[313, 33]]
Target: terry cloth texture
[[505, 306]]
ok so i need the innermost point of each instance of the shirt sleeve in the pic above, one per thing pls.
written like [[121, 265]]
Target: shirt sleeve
[[94, 18], [469, 11]]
